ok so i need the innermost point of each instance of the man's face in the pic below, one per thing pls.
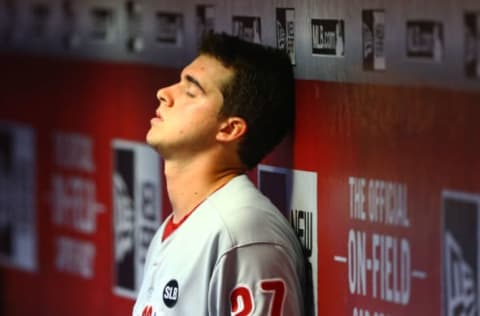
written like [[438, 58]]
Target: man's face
[[187, 120]]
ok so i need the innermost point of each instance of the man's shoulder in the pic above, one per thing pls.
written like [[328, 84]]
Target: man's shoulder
[[247, 216], [240, 192], [240, 202]]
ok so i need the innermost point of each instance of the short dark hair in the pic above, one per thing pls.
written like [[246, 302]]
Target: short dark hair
[[262, 92]]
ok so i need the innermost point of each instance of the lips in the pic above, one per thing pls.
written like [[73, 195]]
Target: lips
[[157, 119]]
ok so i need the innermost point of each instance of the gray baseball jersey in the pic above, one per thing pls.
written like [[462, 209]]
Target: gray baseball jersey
[[236, 254]]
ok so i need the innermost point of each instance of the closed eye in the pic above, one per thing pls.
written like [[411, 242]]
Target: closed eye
[[192, 81], [190, 94]]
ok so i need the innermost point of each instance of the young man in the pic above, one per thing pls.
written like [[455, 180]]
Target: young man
[[225, 249]]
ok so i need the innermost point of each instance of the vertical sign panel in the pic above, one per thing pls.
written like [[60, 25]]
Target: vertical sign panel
[[472, 44], [205, 20], [285, 31], [137, 211], [294, 192], [18, 238], [135, 41], [373, 35], [460, 253], [8, 20]]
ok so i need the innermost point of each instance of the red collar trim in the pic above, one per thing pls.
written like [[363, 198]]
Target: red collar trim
[[170, 226]]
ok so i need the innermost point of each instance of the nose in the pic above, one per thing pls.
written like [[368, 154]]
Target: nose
[[164, 96]]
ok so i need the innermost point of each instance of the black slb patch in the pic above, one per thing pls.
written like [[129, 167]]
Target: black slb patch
[[170, 293]]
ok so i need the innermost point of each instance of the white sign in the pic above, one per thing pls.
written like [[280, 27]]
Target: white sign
[[137, 211], [294, 192]]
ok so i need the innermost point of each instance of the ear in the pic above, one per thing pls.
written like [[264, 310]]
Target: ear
[[231, 129]]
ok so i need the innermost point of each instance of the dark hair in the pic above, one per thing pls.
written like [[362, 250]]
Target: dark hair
[[261, 92]]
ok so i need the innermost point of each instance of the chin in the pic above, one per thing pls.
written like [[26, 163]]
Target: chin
[[150, 139], [153, 142]]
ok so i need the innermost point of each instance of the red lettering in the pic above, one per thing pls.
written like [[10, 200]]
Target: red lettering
[[147, 311], [241, 301], [278, 290]]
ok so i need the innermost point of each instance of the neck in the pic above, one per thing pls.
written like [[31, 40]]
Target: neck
[[190, 183]]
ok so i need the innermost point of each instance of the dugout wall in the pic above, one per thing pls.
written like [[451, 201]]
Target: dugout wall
[[380, 179]]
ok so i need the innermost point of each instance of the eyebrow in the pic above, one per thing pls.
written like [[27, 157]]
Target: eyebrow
[[195, 82]]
